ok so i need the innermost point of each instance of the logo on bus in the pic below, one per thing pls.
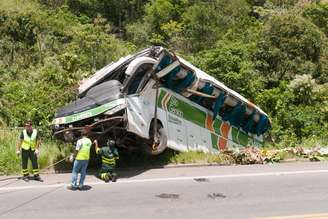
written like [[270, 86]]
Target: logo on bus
[[173, 107]]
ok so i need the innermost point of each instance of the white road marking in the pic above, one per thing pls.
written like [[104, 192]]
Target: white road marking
[[121, 181], [304, 216]]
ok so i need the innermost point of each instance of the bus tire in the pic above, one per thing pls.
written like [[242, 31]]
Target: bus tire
[[149, 147]]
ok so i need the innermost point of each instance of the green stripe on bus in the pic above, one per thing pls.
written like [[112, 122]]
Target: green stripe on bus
[[214, 138], [243, 138], [217, 125], [160, 98], [234, 135], [186, 111], [92, 112]]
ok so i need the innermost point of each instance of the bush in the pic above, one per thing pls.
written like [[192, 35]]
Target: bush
[[9, 162], [50, 153], [290, 45]]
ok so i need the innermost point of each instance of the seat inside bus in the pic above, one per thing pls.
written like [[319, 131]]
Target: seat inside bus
[[177, 79], [206, 88]]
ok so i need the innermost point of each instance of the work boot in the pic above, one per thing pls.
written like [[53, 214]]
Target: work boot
[[71, 187], [114, 177], [80, 187], [38, 178], [106, 178]]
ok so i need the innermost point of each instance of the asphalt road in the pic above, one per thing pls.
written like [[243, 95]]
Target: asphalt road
[[294, 190]]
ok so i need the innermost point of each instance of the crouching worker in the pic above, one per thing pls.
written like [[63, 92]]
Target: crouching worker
[[82, 155], [109, 155]]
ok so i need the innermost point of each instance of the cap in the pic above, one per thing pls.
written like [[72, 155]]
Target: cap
[[28, 122]]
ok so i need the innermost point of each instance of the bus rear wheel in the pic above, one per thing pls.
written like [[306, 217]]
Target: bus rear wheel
[[152, 147]]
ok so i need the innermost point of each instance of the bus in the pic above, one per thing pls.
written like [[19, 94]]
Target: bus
[[153, 100]]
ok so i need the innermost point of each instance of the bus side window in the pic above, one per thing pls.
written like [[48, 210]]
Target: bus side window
[[207, 103]]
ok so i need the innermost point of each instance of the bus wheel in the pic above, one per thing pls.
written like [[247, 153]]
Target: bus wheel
[[154, 148]]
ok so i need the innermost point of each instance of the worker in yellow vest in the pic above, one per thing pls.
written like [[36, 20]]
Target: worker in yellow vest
[[28, 146], [109, 155], [81, 155]]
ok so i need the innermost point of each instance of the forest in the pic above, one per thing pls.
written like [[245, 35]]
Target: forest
[[273, 52]]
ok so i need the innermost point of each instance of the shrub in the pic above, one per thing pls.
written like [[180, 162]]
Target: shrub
[[50, 152]]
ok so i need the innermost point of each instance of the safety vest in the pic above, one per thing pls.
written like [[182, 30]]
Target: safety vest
[[107, 157], [29, 141], [84, 152]]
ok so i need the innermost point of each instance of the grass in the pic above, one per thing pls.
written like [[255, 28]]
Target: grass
[[50, 152], [197, 157], [9, 162], [19, 5]]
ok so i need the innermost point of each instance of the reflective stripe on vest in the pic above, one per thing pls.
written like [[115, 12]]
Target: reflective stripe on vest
[[106, 160], [84, 152], [29, 142]]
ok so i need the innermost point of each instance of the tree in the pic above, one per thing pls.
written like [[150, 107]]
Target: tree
[[231, 64], [290, 45]]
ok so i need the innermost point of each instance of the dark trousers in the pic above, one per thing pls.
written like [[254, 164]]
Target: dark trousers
[[29, 154], [106, 171]]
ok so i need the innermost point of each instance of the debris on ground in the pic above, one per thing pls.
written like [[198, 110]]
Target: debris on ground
[[249, 155], [254, 155], [216, 195], [201, 179], [168, 195]]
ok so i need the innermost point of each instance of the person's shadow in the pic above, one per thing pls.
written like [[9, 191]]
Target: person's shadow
[[129, 164], [133, 163], [86, 188]]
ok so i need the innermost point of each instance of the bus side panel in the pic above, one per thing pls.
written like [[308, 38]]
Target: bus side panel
[[193, 136], [176, 133], [205, 140], [140, 112]]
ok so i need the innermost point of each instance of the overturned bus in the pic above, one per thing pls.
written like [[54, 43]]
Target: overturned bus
[[153, 100]]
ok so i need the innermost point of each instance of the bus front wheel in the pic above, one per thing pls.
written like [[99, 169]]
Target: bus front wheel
[[153, 147]]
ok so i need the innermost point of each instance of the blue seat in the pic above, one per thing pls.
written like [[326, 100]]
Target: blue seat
[[184, 83], [218, 104], [166, 60], [236, 115], [248, 126], [263, 125], [207, 89]]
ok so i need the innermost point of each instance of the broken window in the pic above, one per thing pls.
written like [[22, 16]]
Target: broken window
[[136, 79]]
